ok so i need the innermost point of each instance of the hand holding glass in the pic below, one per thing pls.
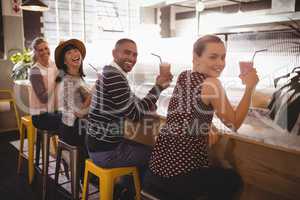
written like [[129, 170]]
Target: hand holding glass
[[164, 68], [245, 67]]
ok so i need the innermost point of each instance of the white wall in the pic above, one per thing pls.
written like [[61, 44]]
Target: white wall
[[13, 40], [186, 27]]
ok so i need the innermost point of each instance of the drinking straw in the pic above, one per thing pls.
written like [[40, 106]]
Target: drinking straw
[[157, 56], [257, 52], [94, 68]]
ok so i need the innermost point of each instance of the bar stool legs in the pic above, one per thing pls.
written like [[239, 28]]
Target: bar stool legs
[[74, 166], [38, 147], [22, 136], [31, 139], [74, 154], [26, 124], [45, 136], [45, 165]]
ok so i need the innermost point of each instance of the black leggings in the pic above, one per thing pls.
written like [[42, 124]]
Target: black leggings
[[47, 121], [216, 183], [74, 136]]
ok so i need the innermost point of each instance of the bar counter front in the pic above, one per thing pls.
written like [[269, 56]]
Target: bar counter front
[[267, 159]]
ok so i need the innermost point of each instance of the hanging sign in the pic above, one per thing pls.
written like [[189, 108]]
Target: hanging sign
[[16, 6]]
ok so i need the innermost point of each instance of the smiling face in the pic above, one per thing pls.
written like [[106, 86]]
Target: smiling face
[[212, 59], [73, 60], [125, 55], [42, 52]]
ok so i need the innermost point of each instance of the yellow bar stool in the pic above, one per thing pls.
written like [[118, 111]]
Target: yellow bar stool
[[7, 96], [26, 123], [106, 179]]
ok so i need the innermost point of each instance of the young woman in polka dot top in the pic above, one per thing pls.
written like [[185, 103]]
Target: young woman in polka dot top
[[179, 164]]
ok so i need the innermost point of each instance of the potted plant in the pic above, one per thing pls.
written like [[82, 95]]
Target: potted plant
[[22, 62]]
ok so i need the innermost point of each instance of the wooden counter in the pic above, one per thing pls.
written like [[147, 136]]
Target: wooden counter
[[268, 171]]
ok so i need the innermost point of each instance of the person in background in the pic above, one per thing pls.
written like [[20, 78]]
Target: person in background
[[113, 102], [42, 92], [74, 95], [179, 165]]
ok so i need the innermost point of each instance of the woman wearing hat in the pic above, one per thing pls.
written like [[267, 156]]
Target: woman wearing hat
[[74, 95]]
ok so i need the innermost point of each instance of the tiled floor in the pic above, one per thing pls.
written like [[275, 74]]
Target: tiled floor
[[12, 185], [22, 179]]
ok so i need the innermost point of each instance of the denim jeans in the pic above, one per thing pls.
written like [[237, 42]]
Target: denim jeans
[[128, 153]]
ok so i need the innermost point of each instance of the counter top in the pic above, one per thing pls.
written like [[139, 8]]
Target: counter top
[[257, 128], [262, 130]]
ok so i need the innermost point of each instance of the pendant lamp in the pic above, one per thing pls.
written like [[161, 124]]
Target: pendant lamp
[[34, 5]]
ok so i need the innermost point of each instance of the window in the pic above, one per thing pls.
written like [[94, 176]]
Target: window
[[89, 20], [108, 17]]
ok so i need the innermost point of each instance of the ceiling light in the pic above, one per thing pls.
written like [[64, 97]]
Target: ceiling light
[[200, 6], [34, 5]]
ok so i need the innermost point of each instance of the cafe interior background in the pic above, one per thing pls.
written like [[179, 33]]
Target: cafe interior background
[[167, 28], [164, 27]]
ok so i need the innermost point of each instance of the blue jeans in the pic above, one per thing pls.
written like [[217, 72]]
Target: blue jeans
[[127, 154]]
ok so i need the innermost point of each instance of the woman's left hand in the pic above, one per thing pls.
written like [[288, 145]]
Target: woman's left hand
[[250, 79]]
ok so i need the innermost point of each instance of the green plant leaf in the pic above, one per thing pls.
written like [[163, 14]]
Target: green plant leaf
[[22, 62]]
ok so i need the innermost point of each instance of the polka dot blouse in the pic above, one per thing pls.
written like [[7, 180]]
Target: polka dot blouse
[[182, 145]]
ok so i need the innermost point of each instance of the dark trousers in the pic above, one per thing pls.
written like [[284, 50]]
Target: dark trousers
[[216, 183], [71, 134], [45, 121], [74, 136], [127, 154]]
